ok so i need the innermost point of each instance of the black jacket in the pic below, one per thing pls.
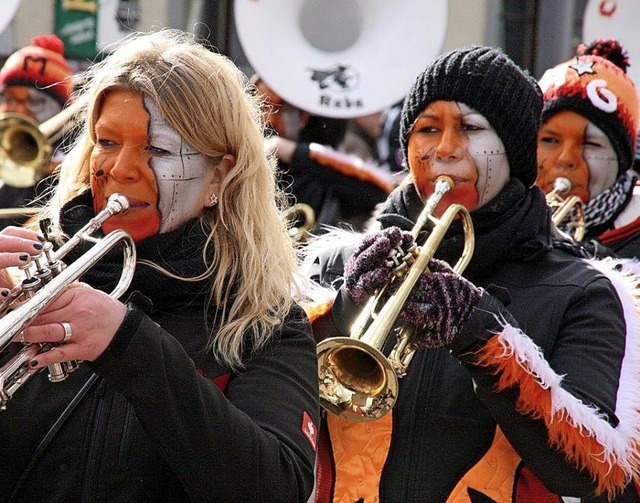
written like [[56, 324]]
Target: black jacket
[[164, 421]]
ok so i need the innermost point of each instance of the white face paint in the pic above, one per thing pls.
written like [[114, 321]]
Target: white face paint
[[182, 173], [488, 153], [601, 159]]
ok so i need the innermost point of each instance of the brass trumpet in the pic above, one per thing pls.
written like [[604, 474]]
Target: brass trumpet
[[26, 147], [357, 381], [568, 214], [301, 219], [46, 278]]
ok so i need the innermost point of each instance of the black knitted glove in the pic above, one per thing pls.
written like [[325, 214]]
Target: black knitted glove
[[371, 265], [439, 305]]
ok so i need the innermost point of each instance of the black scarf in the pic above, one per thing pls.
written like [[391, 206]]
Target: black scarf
[[515, 224], [179, 251]]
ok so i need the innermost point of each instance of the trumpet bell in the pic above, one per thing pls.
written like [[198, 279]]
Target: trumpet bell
[[26, 147], [302, 220], [25, 152], [367, 391]]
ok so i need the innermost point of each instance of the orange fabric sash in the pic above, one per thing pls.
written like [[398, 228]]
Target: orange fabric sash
[[359, 452]]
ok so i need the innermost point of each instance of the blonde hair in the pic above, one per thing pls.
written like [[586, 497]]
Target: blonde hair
[[211, 104]]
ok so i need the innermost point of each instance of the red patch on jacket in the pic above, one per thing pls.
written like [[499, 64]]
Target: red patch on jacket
[[221, 381], [529, 489], [309, 430]]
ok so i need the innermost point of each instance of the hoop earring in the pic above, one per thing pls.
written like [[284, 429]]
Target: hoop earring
[[213, 199]]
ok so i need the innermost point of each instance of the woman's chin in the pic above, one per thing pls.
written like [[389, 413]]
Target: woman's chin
[[139, 225]]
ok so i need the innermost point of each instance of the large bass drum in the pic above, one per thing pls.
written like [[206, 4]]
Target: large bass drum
[[340, 58]]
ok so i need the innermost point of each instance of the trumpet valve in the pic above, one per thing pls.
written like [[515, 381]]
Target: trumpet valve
[[57, 372], [52, 263], [71, 365], [30, 284], [402, 260]]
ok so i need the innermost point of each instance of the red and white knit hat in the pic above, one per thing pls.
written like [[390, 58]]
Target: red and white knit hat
[[595, 84], [40, 65]]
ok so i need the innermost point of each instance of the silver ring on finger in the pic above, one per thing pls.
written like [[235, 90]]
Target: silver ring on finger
[[21, 337], [67, 332]]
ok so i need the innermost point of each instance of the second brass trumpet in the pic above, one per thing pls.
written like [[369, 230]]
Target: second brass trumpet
[[357, 381], [568, 212]]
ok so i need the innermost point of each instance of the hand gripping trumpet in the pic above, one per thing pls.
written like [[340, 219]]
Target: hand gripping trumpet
[[568, 214], [357, 381], [46, 278]]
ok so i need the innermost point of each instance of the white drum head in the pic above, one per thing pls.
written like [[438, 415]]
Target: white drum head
[[9, 9], [340, 58], [618, 20]]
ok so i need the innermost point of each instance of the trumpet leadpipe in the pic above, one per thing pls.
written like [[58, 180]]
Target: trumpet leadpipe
[[16, 372]]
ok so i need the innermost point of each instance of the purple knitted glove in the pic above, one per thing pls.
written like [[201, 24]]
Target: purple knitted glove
[[371, 265], [439, 305]]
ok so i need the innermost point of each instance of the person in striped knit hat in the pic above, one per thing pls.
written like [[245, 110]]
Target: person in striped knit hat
[[588, 135]]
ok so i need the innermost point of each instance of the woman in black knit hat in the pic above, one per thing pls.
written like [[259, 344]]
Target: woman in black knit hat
[[521, 388], [588, 135]]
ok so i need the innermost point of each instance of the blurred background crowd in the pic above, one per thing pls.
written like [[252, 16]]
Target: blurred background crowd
[[334, 79]]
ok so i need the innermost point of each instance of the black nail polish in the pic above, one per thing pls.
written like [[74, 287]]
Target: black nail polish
[[4, 293], [24, 257], [33, 363], [37, 246], [41, 238]]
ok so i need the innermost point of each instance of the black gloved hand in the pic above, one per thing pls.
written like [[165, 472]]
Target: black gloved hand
[[439, 305], [371, 265]]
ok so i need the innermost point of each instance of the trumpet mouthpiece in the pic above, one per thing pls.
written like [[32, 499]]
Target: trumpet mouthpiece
[[118, 203], [561, 185], [445, 182]]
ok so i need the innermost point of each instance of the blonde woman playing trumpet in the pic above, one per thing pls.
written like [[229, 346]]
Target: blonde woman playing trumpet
[[206, 373]]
